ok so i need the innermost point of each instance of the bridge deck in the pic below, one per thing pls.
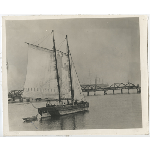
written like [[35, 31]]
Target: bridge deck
[[116, 86], [88, 88]]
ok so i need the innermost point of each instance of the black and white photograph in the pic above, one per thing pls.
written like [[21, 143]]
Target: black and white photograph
[[74, 73]]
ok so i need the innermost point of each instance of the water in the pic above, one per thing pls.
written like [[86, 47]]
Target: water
[[117, 111]]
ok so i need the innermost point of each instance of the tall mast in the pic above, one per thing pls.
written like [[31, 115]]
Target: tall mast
[[89, 77], [72, 92], [56, 66]]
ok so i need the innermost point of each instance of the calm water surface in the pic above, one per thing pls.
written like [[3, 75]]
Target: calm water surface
[[105, 112]]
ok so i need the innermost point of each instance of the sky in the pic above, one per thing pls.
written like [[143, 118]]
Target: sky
[[108, 48]]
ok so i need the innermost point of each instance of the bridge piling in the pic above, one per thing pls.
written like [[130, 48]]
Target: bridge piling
[[88, 93], [21, 99], [121, 91], [138, 90], [95, 86], [128, 91], [113, 91], [28, 100], [105, 92]]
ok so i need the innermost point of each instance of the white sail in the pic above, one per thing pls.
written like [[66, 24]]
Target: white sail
[[41, 79], [78, 94], [64, 80]]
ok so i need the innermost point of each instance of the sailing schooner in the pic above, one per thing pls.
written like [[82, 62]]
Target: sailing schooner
[[58, 81]]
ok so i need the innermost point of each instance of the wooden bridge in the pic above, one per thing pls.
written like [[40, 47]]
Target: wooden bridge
[[116, 86]]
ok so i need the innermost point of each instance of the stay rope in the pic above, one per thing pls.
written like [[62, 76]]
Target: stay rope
[[60, 45], [45, 38], [42, 39], [33, 105]]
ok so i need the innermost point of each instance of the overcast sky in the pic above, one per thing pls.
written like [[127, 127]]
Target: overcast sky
[[108, 48]]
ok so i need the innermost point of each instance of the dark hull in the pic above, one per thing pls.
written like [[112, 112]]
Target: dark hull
[[63, 109]]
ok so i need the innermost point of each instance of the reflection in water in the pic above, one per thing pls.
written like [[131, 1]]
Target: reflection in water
[[66, 122]]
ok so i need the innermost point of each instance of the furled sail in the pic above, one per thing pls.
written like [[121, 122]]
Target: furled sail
[[78, 94], [41, 79]]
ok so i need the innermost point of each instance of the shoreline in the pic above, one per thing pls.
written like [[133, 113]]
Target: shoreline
[[14, 102], [25, 102]]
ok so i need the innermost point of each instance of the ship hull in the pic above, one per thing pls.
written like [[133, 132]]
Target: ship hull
[[62, 110], [45, 115], [72, 111]]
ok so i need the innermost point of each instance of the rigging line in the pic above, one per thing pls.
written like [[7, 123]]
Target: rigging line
[[76, 74], [45, 38], [27, 67], [62, 41], [47, 43], [42, 43], [41, 38], [61, 44], [33, 105]]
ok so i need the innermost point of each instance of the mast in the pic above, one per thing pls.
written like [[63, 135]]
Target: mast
[[72, 92], [89, 77], [56, 66]]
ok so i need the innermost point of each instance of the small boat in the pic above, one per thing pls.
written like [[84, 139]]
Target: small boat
[[51, 75], [29, 119]]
